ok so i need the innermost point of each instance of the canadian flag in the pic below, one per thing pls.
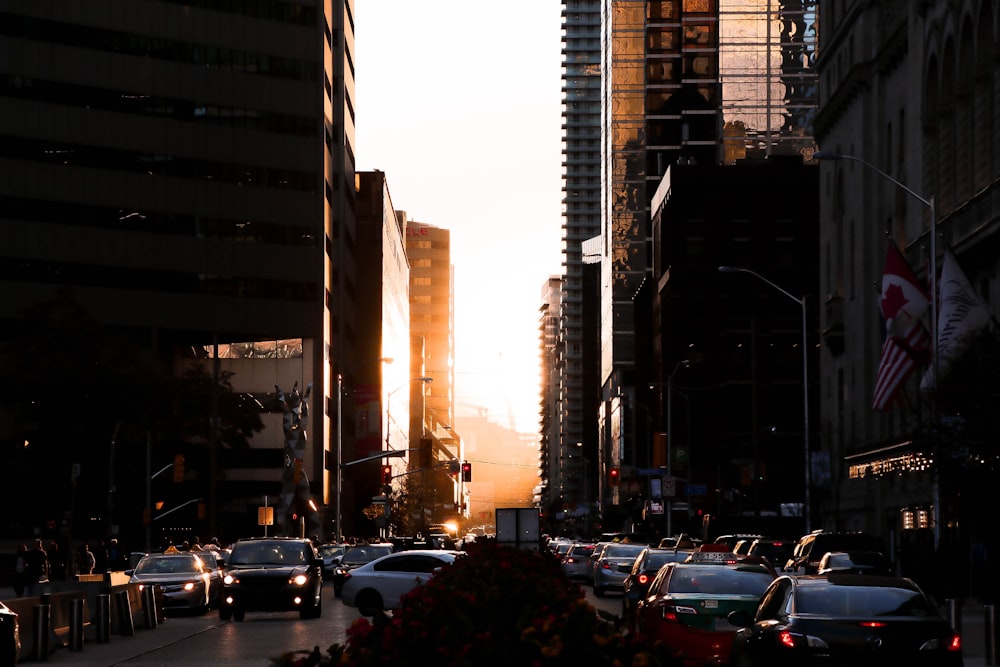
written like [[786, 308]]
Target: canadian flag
[[961, 314], [907, 342]]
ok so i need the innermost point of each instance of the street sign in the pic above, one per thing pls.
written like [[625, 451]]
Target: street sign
[[265, 516], [669, 487]]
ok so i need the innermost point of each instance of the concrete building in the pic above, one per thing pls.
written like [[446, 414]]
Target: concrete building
[[907, 97], [186, 171]]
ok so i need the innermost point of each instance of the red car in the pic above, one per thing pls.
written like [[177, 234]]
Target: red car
[[687, 605]]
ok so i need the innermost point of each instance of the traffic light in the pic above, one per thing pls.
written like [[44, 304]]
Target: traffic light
[[466, 471], [178, 468], [387, 474], [615, 474]]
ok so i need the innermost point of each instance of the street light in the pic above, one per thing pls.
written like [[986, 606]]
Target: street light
[[932, 282], [684, 363], [805, 382]]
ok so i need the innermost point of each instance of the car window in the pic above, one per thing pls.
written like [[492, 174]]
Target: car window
[[774, 603], [622, 550], [718, 580], [410, 563], [863, 601]]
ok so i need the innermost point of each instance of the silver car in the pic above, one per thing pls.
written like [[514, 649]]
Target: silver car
[[576, 562], [613, 565], [183, 578]]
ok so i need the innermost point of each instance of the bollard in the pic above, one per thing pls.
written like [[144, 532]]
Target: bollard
[[76, 624], [149, 607], [102, 618], [125, 624], [43, 626], [990, 633], [954, 614]]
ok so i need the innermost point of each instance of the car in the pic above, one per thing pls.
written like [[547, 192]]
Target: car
[[811, 547], [844, 619], [356, 555], [184, 578], [576, 562], [776, 551], [272, 574], [731, 540], [614, 564], [380, 585], [330, 553], [856, 562], [687, 605], [644, 569]]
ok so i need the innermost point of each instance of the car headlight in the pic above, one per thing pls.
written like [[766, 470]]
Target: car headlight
[[189, 586], [300, 580], [230, 579]]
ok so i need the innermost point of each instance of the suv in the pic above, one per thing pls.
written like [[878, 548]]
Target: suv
[[272, 574], [810, 548]]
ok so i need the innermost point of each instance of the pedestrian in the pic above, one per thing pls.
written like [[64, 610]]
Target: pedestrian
[[36, 568], [117, 558], [57, 563], [83, 563], [17, 576], [101, 559]]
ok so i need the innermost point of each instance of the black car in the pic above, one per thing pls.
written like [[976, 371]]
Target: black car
[[844, 619], [644, 569], [272, 574], [810, 548], [355, 555]]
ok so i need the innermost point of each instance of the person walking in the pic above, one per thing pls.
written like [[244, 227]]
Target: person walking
[[36, 568], [17, 577], [83, 563]]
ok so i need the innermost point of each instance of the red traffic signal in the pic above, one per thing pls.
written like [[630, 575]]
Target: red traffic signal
[[387, 474], [466, 471], [614, 475]]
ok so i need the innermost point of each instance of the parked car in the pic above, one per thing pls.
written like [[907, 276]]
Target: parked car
[[687, 605], [184, 578], [856, 562], [331, 554], [576, 562], [644, 570], [354, 556], [844, 619], [379, 585], [272, 574], [810, 548], [614, 564], [731, 540]]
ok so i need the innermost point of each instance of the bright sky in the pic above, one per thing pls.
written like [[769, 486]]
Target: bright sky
[[458, 103]]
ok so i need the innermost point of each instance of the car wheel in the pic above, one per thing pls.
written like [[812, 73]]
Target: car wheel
[[239, 614], [369, 603], [225, 613]]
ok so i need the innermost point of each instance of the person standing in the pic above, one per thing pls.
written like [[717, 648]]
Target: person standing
[[83, 563], [101, 562], [57, 563], [17, 577], [36, 568]]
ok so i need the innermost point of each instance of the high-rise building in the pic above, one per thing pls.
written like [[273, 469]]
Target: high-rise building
[[581, 49], [185, 170]]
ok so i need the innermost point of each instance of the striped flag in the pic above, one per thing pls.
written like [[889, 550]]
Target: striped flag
[[907, 343]]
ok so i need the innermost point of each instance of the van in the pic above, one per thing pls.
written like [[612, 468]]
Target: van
[[810, 548]]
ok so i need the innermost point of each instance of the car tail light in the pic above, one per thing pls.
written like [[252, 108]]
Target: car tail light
[[606, 565], [951, 644], [643, 579], [671, 612], [788, 639], [872, 624]]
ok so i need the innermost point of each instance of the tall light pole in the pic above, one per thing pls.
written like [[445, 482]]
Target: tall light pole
[[684, 363], [807, 455], [932, 283], [340, 453]]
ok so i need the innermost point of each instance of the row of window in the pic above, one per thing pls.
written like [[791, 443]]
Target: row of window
[[100, 157], [105, 99], [157, 222], [172, 50]]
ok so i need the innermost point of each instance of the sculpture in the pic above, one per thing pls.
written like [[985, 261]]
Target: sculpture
[[294, 497]]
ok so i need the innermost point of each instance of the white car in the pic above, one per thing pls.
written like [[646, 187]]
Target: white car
[[380, 584]]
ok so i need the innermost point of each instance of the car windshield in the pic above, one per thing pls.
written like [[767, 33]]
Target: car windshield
[[268, 553], [366, 552], [622, 550], [330, 552], [718, 580], [171, 565], [862, 601]]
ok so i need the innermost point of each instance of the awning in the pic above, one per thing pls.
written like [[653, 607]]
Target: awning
[[901, 457]]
